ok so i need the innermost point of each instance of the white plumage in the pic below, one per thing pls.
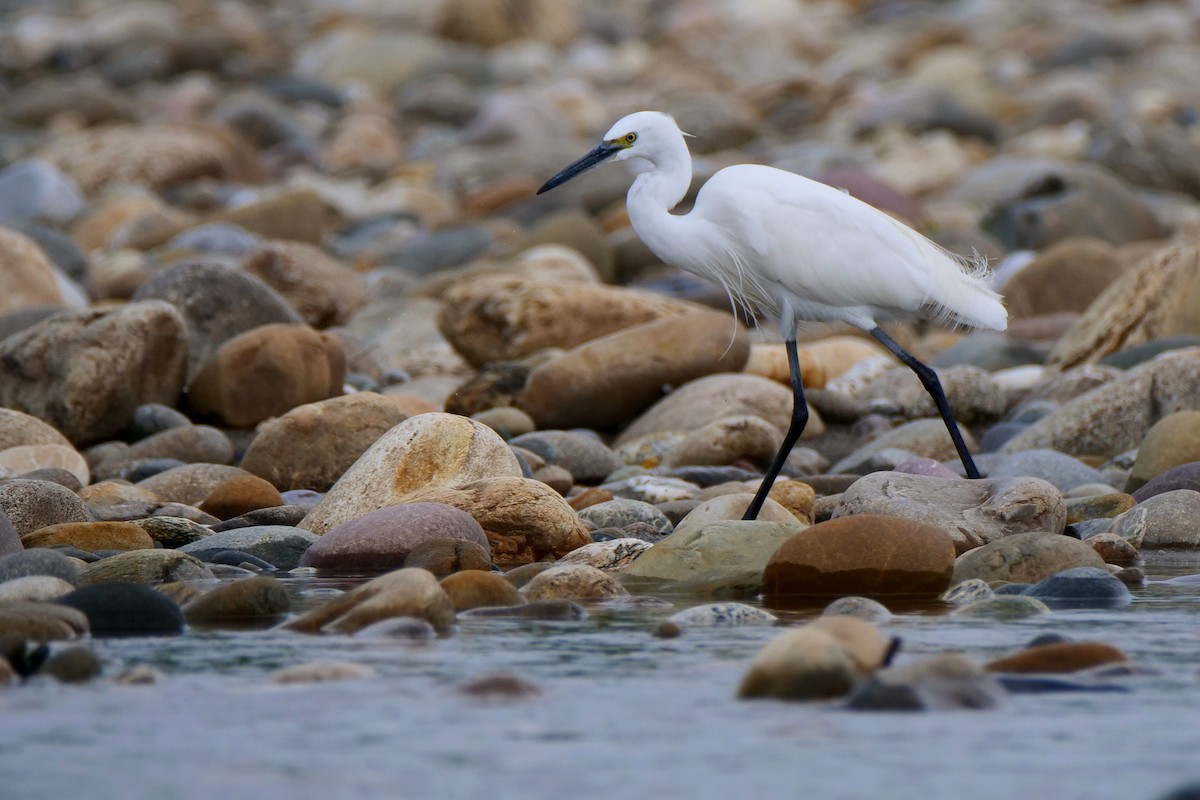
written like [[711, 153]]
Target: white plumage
[[796, 248]]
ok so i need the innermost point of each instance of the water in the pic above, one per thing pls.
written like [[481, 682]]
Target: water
[[620, 714]]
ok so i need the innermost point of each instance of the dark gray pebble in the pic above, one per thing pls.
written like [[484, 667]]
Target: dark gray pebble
[[126, 609], [1081, 587], [41, 561]]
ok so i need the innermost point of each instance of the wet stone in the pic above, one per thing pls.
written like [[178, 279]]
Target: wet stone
[[620, 512], [126, 609], [276, 544], [1081, 587]]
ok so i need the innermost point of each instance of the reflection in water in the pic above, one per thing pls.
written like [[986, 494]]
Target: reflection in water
[[620, 713]]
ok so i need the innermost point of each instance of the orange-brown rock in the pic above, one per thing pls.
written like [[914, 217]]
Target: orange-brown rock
[[1059, 657], [820, 362], [1067, 276], [474, 588], [240, 495], [90, 536], [268, 371], [866, 554], [610, 380]]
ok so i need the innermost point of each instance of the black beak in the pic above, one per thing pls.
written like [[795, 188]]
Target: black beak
[[602, 153]]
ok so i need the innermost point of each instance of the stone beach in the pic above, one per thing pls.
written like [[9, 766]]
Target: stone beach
[[297, 373]]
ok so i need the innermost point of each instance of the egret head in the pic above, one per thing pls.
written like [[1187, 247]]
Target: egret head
[[640, 135]]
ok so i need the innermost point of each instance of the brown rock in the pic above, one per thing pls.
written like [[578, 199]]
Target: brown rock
[[971, 512], [525, 520], [86, 371], [1159, 297], [1067, 276], [260, 597], [28, 274], [90, 536], [1112, 548], [18, 429], [312, 445], [192, 444], [863, 644], [296, 214], [364, 139], [474, 588], [217, 301], [805, 663], [863, 555], [156, 155], [591, 496], [501, 318], [728, 440], [1024, 558], [1116, 416], [190, 483], [266, 372], [403, 593], [148, 567], [444, 557], [41, 622], [322, 290], [488, 23], [610, 380], [421, 453], [573, 581], [711, 398], [240, 495], [1059, 657], [1173, 440]]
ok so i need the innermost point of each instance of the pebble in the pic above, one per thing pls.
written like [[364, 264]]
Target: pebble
[[586, 457], [612, 379], [1081, 587], [1024, 558], [447, 556], [402, 593], [41, 622], [1171, 442], [34, 588], [475, 588], [279, 545], [1004, 607], [420, 453], [322, 672], [613, 555], [967, 591], [1164, 521], [1058, 657], [526, 519], [926, 438], [619, 512], [708, 557], [146, 567], [38, 561], [544, 610], [92, 536], [126, 609], [863, 554], [1064, 472], [946, 682], [974, 512], [257, 598], [731, 614], [863, 608], [383, 539], [72, 665], [574, 582]]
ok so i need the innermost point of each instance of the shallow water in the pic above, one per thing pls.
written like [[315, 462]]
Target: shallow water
[[620, 714]]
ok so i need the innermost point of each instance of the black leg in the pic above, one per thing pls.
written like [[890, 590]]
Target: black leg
[[799, 420], [929, 380]]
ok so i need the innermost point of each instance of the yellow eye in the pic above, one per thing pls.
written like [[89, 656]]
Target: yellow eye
[[630, 138]]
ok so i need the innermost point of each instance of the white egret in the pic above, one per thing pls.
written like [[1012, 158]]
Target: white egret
[[797, 249]]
